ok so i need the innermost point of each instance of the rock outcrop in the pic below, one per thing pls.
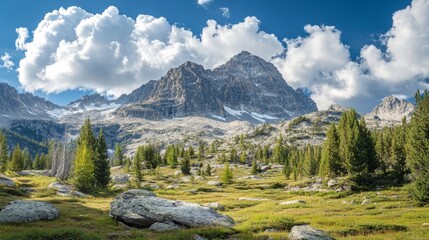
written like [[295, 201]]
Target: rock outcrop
[[27, 211], [392, 109], [141, 208], [5, 180]]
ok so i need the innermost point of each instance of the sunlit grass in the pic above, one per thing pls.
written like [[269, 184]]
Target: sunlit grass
[[389, 215]]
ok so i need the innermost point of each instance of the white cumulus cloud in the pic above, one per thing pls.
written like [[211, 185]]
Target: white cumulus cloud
[[22, 37], [111, 53], [204, 3], [225, 12], [7, 63]]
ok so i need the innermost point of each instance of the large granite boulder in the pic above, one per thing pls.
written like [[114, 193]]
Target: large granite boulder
[[306, 232], [141, 208], [27, 211]]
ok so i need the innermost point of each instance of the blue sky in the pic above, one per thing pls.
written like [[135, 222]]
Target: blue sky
[[360, 23]]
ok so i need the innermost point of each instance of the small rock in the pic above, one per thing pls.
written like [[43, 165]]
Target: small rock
[[264, 168], [306, 232], [425, 224], [333, 182], [251, 177], [365, 202], [198, 237], [164, 226], [27, 189], [271, 230], [121, 178], [319, 180], [214, 183], [28, 211], [186, 179], [352, 202], [252, 199], [60, 187], [293, 202], [171, 187], [5, 180], [216, 206], [193, 191], [177, 173]]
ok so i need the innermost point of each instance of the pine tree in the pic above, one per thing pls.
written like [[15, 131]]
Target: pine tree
[[16, 162], [28, 164], [3, 152], [226, 176], [233, 155], [255, 169], [208, 170], [330, 163], [417, 148], [137, 167], [171, 156], [101, 164], [243, 157], [399, 158], [118, 156], [83, 175], [185, 166]]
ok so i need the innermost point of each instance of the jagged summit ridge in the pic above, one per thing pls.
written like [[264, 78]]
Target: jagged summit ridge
[[245, 83], [392, 109]]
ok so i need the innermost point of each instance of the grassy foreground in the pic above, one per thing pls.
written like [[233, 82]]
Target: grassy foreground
[[391, 214]]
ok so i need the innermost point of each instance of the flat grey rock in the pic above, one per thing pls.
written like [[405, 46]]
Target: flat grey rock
[[28, 211], [120, 178], [293, 202], [306, 232], [140, 208]]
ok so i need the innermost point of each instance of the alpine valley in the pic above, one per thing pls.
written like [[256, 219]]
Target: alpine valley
[[246, 95]]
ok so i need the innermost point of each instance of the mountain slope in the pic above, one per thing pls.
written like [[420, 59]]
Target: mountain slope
[[245, 88], [14, 105], [248, 82], [391, 109]]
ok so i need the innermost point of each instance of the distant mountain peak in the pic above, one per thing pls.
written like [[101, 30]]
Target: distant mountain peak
[[392, 109], [89, 100]]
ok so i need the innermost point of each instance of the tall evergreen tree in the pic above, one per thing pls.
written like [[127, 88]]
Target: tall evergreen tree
[[185, 166], [171, 156], [83, 175], [118, 156], [137, 167], [418, 148], [16, 162], [101, 163], [399, 157], [255, 169], [330, 163], [208, 170], [3, 152], [28, 163], [226, 176]]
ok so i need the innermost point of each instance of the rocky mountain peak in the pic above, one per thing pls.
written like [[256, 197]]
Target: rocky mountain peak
[[95, 100], [392, 109]]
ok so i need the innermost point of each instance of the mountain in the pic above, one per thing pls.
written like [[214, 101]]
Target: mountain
[[250, 83], [88, 101], [14, 105], [246, 88], [183, 91], [391, 109]]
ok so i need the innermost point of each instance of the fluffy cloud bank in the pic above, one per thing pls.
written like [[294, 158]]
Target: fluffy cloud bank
[[112, 53], [321, 63]]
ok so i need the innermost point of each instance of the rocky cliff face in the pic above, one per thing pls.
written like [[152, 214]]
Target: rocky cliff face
[[391, 109], [246, 85], [248, 82], [183, 91], [14, 105]]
